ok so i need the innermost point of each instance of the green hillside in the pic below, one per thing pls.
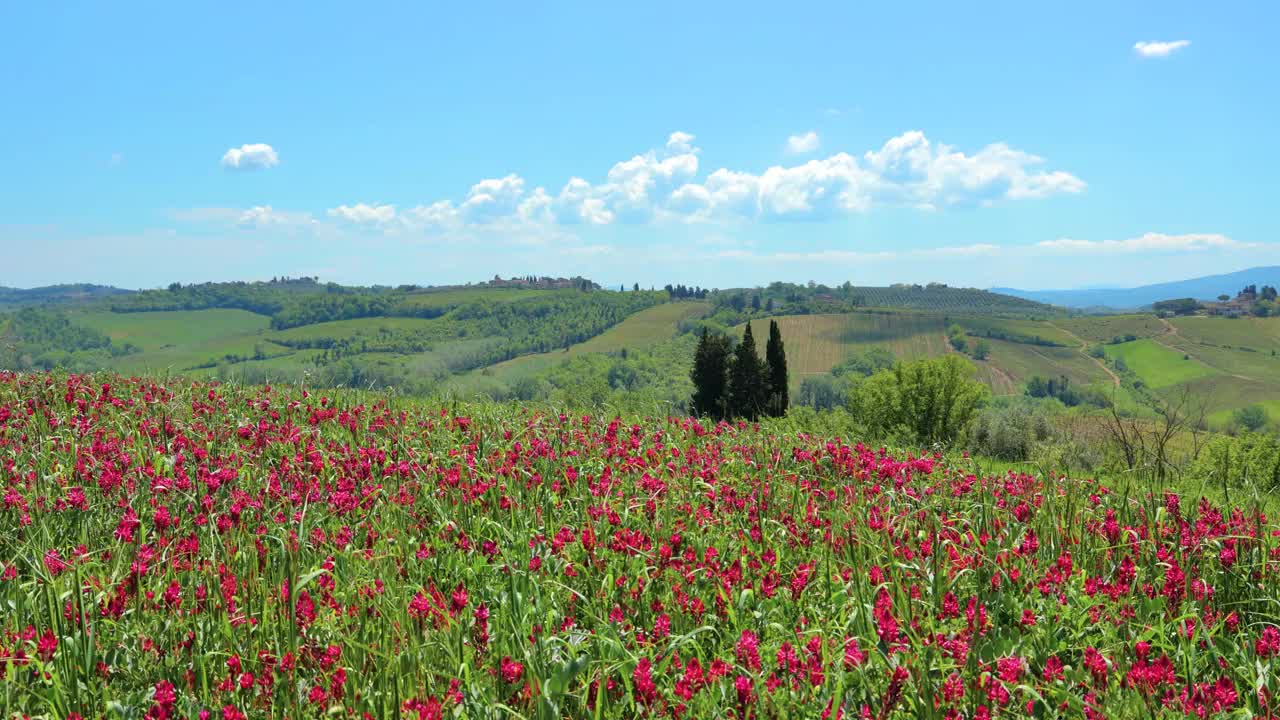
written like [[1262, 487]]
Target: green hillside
[[556, 338]]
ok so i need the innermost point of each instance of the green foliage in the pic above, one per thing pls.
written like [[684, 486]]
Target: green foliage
[[710, 376], [1179, 306], [532, 325], [1010, 429], [1251, 418], [821, 392], [775, 356], [1252, 459], [748, 383], [927, 400], [956, 336], [37, 338], [981, 349], [866, 362]]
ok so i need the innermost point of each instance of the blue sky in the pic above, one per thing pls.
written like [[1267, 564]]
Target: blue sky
[[717, 144]]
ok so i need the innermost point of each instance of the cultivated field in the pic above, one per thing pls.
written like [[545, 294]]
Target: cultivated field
[[1104, 328]]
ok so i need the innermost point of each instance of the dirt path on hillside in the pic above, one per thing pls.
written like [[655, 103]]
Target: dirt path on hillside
[[1083, 350], [1172, 330]]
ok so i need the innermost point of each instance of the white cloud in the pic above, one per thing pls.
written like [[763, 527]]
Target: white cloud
[[363, 214], [251, 156], [1149, 242], [266, 216], [961, 251], [802, 144], [1158, 49], [680, 142]]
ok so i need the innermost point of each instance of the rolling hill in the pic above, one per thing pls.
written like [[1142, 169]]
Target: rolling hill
[[1201, 288], [564, 343], [11, 298]]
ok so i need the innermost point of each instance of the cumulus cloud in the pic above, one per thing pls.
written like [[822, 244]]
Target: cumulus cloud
[[267, 216], [1149, 242], [364, 214], [668, 185], [251, 156], [802, 144], [1159, 49]]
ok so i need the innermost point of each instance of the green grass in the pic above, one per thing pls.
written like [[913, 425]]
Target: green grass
[[156, 330], [1156, 365], [180, 340]]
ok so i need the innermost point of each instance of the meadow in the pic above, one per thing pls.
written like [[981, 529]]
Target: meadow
[[179, 549]]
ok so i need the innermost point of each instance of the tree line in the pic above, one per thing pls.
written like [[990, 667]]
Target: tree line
[[734, 382]]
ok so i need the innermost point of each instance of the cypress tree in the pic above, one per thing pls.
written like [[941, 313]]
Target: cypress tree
[[747, 383], [710, 376], [775, 357]]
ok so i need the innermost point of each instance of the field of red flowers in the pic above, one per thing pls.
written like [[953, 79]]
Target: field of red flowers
[[177, 550]]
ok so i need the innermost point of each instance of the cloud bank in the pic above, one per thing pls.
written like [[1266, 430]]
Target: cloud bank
[[666, 186]]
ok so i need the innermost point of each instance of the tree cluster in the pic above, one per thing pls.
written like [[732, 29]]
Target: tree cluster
[[734, 382], [681, 292]]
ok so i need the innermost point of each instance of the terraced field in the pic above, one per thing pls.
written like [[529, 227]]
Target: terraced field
[[1257, 333], [1027, 331], [1104, 328]]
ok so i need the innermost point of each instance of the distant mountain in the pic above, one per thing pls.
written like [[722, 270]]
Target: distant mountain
[[1201, 288], [56, 294]]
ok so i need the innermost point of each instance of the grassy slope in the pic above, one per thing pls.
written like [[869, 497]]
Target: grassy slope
[[1231, 361], [1020, 361], [178, 340], [1158, 365], [643, 329]]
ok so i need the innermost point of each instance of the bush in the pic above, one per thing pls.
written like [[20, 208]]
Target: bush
[[1250, 459], [1252, 418], [1011, 429], [928, 401], [821, 392]]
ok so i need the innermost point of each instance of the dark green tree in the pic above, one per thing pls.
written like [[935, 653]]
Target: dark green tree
[[710, 376], [775, 358], [748, 384]]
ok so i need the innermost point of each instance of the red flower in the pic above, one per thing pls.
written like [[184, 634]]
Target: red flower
[[510, 670]]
